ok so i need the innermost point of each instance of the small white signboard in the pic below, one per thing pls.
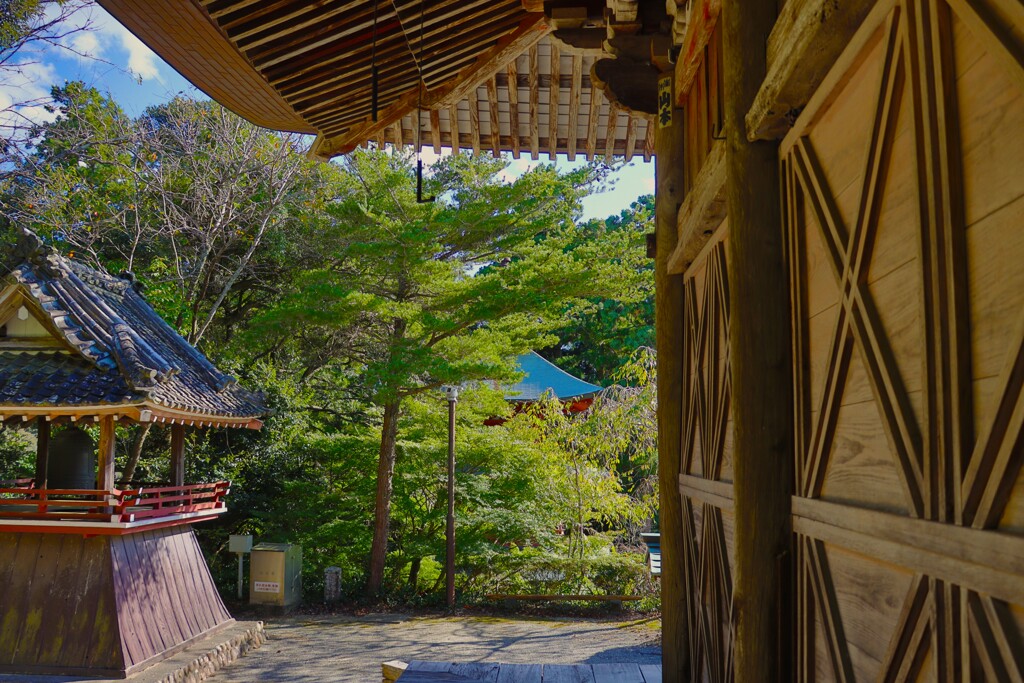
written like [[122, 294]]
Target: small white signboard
[[267, 587]]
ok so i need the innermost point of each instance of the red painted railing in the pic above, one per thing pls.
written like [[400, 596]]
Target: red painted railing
[[20, 500]]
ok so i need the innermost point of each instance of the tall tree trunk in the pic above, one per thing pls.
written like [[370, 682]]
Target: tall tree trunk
[[385, 486], [414, 572], [136, 451]]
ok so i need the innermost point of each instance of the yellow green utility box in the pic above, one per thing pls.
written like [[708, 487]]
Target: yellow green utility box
[[275, 574]]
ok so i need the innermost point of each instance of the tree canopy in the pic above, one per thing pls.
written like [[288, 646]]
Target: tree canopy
[[349, 303]]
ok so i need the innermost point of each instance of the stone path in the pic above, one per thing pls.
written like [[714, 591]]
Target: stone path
[[350, 649]]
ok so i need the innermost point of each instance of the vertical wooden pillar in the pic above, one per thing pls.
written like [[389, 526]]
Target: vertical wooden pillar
[[759, 338], [42, 451], [177, 455], [105, 455], [668, 309]]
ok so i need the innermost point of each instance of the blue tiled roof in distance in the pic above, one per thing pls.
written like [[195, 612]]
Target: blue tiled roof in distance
[[542, 376]]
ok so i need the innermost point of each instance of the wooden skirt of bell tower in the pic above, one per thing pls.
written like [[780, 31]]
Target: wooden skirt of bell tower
[[102, 605]]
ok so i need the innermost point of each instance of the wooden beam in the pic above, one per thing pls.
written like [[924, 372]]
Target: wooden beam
[[105, 454], [554, 95], [534, 103], [988, 561], [42, 451], [593, 119], [314, 16], [492, 111], [668, 308], [759, 353], [177, 455], [435, 130], [474, 120], [649, 139], [807, 39], [530, 31], [630, 136], [574, 105], [702, 211], [397, 136], [453, 126], [611, 130], [513, 106], [703, 18]]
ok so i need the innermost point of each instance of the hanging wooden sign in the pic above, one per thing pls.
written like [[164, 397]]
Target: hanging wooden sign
[[665, 101]]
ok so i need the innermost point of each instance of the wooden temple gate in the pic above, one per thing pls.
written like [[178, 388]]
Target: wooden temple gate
[[901, 207], [839, 208]]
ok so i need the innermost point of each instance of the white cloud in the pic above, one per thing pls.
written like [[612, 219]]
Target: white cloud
[[24, 92], [106, 39]]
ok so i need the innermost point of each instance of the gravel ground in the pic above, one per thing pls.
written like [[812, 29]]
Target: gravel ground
[[350, 648]]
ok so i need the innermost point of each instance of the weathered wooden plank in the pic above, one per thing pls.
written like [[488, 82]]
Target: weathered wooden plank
[[513, 107], [105, 454], [422, 665], [806, 41], [554, 97], [61, 596], [435, 130], [177, 455], [494, 125], [987, 561], [651, 673], [630, 137], [482, 671], [474, 120], [453, 125], [703, 210], [572, 134], [42, 451], [519, 673], [617, 673], [611, 130], [534, 103], [717, 493], [703, 19], [530, 31], [568, 673], [95, 634]]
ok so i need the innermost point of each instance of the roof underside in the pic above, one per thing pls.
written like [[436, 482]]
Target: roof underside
[[308, 67]]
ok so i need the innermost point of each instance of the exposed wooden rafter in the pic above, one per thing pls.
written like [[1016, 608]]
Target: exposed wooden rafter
[[535, 102], [513, 106], [554, 97], [494, 122]]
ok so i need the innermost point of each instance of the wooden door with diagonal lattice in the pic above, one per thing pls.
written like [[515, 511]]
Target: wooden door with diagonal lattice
[[903, 205], [706, 468]]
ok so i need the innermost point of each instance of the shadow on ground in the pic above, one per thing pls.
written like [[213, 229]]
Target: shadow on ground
[[303, 649]]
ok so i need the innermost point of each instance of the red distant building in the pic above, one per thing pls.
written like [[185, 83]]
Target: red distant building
[[541, 377]]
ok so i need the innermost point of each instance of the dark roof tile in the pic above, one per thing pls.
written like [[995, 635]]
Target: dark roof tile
[[124, 351]]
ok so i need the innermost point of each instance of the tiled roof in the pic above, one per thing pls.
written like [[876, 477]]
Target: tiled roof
[[123, 352], [541, 376]]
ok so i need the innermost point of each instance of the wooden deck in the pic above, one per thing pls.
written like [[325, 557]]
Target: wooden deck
[[480, 672]]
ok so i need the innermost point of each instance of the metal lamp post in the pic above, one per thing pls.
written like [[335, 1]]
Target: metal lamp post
[[452, 393]]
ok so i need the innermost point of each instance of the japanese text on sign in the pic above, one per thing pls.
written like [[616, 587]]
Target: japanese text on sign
[[665, 101]]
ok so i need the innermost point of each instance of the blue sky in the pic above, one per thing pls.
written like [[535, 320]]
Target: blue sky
[[111, 59]]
